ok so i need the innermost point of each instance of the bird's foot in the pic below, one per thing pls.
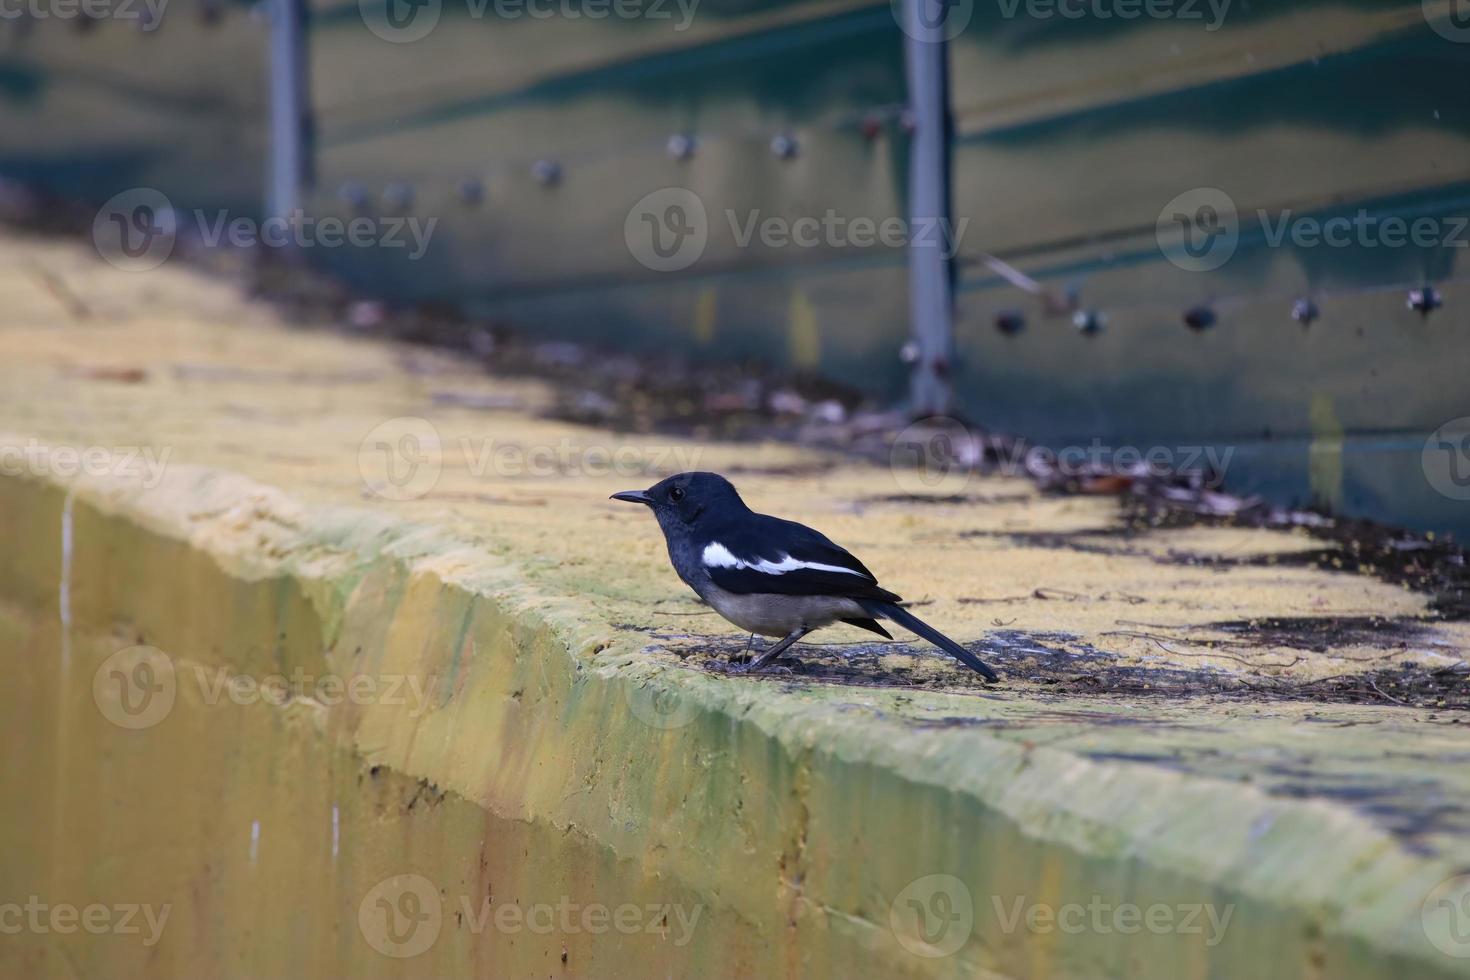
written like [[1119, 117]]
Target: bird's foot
[[762, 664], [775, 650], [742, 664]]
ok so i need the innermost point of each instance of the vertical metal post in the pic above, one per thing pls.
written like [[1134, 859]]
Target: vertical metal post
[[931, 287], [290, 127]]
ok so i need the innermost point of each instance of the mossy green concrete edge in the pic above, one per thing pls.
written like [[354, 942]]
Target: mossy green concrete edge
[[808, 813]]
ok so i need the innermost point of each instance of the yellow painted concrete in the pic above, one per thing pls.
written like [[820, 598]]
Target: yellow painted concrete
[[533, 723]]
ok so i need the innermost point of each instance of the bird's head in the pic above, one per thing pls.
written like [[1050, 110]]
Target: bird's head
[[684, 498]]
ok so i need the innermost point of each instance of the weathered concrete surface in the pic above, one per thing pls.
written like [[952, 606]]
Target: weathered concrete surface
[[560, 735]]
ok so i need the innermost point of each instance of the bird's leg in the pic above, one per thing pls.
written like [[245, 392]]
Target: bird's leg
[[748, 641], [776, 649]]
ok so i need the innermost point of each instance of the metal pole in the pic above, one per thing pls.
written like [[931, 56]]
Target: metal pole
[[290, 127], [931, 288]]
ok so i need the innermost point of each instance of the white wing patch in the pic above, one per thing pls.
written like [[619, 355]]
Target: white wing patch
[[717, 555]]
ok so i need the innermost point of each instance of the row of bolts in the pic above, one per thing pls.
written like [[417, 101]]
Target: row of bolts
[[1423, 300], [211, 14], [548, 173]]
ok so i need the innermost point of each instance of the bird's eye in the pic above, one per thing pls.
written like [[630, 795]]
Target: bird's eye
[[676, 494]]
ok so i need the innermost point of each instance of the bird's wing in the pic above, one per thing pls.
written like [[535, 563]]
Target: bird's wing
[[766, 554]]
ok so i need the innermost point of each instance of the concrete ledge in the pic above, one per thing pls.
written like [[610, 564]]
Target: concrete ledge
[[791, 818], [531, 733]]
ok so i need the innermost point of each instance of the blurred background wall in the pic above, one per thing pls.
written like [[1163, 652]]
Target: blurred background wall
[[1075, 144]]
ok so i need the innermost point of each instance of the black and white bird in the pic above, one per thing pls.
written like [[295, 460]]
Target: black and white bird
[[770, 576]]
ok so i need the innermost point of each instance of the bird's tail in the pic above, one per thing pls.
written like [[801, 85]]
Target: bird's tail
[[914, 624]]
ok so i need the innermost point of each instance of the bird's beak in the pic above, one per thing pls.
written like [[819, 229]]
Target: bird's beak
[[633, 496]]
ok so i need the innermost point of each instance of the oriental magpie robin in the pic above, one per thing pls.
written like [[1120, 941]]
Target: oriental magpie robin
[[769, 576]]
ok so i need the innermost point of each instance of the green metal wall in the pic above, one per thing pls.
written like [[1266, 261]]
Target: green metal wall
[[92, 108], [1073, 136], [488, 100], [529, 140]]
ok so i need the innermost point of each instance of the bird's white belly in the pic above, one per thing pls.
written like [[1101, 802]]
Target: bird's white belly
[[772, 614]]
